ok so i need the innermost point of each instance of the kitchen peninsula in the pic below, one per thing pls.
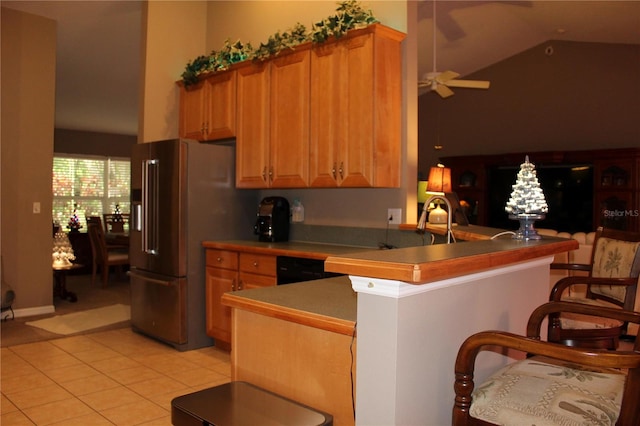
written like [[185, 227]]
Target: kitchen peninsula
[[415, 306]]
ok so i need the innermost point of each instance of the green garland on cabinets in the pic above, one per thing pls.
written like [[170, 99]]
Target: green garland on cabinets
[[349, 15]]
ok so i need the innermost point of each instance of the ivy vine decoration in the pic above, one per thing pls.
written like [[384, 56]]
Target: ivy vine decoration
[[279, 42], [349, 15], [217, 60]]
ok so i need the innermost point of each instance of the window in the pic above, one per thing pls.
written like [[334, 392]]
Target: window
[[91, 185]]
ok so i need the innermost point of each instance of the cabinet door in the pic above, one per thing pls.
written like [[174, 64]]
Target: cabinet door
[[356, 154], [342, 114], [208, 109], [220, 120], [289, 120], [249, 281], [193, 104], [218, 282], [252, 146], [356, 111], [328, 105]]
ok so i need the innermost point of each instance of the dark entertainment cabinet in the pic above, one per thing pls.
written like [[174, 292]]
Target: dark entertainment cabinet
[[584, 189]]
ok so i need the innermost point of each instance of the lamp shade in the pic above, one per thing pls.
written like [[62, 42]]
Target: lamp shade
[[439, 179]]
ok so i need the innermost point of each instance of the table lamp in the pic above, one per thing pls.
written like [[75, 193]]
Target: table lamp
[[438, 184]]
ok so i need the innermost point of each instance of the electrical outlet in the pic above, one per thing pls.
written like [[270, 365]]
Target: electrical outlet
[[394, 216], [36, 207]]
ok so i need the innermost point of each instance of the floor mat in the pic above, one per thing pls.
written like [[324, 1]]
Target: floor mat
[[84, 320]]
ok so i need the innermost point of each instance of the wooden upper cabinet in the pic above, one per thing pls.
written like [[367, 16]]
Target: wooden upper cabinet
[[208, 109], [289, 124], [252, 144], [273, 123], [324, 115], [356, 105]]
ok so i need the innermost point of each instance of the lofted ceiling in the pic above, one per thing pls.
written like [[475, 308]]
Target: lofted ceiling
[[98, 63]]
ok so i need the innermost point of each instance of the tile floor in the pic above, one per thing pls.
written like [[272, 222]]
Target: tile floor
[[114, 377]]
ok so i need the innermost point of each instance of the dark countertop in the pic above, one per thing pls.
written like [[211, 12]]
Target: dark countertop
[[289, 248], [329, 304], [420, 265]]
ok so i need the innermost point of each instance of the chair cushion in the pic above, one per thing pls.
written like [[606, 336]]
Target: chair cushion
[[541, 391], [117, 256], [573, 321], [613, 259]]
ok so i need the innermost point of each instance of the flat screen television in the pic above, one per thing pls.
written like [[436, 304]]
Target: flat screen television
[[568, 189]]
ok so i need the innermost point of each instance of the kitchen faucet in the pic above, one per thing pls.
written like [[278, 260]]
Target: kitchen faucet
[[423, 217]]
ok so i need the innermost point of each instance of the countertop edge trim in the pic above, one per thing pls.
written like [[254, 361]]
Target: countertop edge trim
[[436, 270], [398, 289]]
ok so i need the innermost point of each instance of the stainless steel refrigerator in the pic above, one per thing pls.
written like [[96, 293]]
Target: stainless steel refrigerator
[[182, 193]]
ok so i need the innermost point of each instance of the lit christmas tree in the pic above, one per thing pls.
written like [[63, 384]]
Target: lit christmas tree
[[74, 222], [527, 203], [117, 214]]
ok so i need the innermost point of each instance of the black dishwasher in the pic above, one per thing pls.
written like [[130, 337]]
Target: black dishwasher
[[296, 269]]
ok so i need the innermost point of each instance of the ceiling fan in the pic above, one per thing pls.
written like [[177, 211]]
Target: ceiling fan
[[440, 82]]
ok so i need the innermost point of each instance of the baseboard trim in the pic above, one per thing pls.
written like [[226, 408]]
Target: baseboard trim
[[38, 310]]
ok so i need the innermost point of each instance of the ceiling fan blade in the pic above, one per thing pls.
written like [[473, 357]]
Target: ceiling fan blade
[[444, 77], [470, 84], [424, 83], [443, 91]]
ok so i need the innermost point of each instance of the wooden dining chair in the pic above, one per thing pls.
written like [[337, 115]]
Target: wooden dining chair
[[116, 223], [105, 256], [611, 281], [553, 384]]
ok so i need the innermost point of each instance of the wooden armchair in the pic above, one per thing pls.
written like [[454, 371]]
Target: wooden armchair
[[612, 281], [555, 384], [105, 256]]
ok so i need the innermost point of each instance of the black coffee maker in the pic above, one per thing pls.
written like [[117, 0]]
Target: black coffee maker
[[273, 219]]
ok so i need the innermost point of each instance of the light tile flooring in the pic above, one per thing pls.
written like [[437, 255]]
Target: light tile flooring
[[114, 377]]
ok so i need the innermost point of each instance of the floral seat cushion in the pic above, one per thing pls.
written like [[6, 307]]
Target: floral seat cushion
[[541, 391]]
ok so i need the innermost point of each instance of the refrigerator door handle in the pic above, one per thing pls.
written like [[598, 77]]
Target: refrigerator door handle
[[136, 217], [150, 199]]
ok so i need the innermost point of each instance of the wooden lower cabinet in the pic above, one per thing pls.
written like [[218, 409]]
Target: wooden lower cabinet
[[257, 270], [218, 282], [227, 271]]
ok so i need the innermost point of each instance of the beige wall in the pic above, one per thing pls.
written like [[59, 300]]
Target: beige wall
[[254, 21], [173, 33], [28, 108]]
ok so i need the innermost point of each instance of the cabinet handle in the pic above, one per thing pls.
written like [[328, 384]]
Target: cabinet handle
[[233, 285], [342, 170], [219, 259], [333, 170], [264, 174], [240, 285], [206, 128], [271, 174], [255, 264]]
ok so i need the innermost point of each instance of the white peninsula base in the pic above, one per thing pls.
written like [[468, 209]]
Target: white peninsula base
[[409, 335]]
